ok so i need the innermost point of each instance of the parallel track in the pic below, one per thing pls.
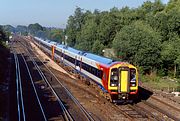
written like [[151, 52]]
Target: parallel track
[[131, 112], [20, 91], [162, 111], [160, 107], [20, 102], [146, 112], [83, 111], [42, 110], [65, 111], [174, 108], [138, 111], [28, 90]]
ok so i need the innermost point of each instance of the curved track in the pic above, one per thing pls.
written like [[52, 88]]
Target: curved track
[[142, 111], [74, 108]]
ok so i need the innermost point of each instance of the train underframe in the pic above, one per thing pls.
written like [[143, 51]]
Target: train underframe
[[124, 98], [120, 98]]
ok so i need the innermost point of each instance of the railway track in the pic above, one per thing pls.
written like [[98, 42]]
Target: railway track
[[22, 95], [136, 113], [159, 108], [146, 111], [37, 97], [66, 113], [32, 107], [174, 108], [75, 110], [132, 112], [166, 110], [20, 102]]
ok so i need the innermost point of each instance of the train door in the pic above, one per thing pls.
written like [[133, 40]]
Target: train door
[[52, 50], [62, 56], [123, 80], [76, 61], [80, 63]]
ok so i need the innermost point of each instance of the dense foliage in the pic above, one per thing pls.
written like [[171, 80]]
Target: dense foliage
[[3, 35], [138, 43], [147, 36]]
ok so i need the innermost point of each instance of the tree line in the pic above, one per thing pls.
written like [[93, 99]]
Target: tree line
[[55, 34], [3, 35], [147, 36]]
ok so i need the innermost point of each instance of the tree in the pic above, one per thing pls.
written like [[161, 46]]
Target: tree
[[107, 28], [139, 44], [3, 36], [79, 18], [8, 28], [33, 28], [159, 23], [151, 7], [74, 26], [98, 47], [87, 35], [170, 55], [22, 29], [56, 35], [146, 36], [172, 5], [71, 31]]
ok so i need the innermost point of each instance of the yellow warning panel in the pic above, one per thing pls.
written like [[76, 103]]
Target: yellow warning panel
[[124, 81]]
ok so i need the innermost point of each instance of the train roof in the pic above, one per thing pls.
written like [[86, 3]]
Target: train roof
[[91, 56], [97, 58], [70, 49], [38, 38], [94, 57], [60, 46], [54, 43], [75, 50], [101, 59], [47, 42]]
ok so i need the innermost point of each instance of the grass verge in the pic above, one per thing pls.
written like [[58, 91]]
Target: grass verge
[[161, 83]]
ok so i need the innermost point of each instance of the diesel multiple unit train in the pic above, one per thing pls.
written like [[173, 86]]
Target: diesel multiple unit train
[[116, 80]]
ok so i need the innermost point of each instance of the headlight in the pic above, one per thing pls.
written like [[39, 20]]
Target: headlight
[[113, 84], [133, 85]]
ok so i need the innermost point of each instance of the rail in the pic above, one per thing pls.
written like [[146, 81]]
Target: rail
[[154, 98], [20, 101], [161, 110], [146, 112], [67, 115], [86, 114], [37, 97]]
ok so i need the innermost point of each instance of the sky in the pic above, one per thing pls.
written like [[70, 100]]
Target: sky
[[54, 13]]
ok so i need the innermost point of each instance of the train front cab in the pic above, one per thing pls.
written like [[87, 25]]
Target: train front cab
[[123, 82]]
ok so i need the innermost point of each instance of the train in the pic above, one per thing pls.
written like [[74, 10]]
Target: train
[[116, 80]]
